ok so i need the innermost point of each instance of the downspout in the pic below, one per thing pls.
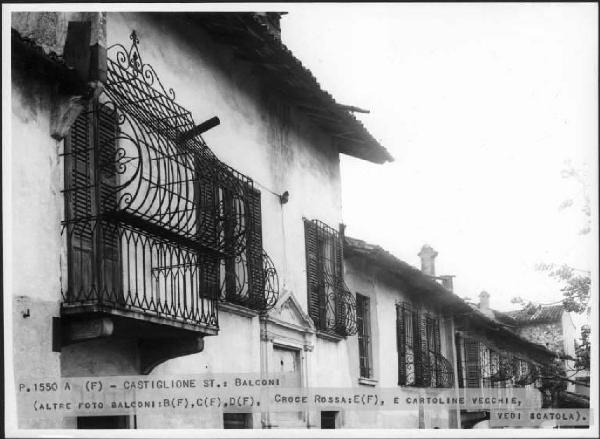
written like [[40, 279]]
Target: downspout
[[455, 369]]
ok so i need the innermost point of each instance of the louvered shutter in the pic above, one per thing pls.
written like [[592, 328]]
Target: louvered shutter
[[401, 339], [79, 171], [338, 263], [254, 248], [231, 288], [106, 134], [422, 363], [206, 195], [437, 349], [472, 363], [459, 357], [313, 280], [432, 351]]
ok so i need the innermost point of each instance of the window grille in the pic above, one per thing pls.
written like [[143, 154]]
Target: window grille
[[155, 223], [363, 320], [487, 367], [406, 327], [524, 372], [420, 362], [330, 304]]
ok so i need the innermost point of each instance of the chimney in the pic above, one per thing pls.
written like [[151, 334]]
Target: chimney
[[484, 304], [427, 255]]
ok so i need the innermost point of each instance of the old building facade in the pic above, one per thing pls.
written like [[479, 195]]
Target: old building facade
[[162, 245]]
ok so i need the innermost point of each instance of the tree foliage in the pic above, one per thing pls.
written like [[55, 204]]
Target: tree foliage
[[576, 285], [583, 350]]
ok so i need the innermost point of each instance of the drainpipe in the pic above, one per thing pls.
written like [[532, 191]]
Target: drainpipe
[[455, 369]]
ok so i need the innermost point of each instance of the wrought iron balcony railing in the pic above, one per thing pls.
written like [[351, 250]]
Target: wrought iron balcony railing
[[525, 373], [249, 286], [337, 310], [427, 369], [442, 374], [119, 267], [154, 221]]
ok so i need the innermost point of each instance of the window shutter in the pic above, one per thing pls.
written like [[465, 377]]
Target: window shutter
[[312, 272], [422, 366], [106, 133], [254, 249], [472, 363], [338, 263], [436, 337], [401, 339], [459, 359], [79, 171], [205, 196]]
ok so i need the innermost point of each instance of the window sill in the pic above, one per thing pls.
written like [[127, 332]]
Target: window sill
[[237, 309], [367, 381], [329, 336]]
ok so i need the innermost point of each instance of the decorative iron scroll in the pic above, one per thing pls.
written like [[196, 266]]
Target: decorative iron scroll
[[140, 272], [167, 211], [442, 374], [181, 187], [525, 372], [420, 363], [240, 287], [331, 304], [496, 368]]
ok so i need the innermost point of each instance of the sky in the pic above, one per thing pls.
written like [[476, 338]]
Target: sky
[[482, 106]]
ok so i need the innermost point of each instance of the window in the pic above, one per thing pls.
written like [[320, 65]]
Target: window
[[363, 322], [329, 419], [420, 362], [472, 363], [237, 420], [331, 306], [482, 366], [407, 344]]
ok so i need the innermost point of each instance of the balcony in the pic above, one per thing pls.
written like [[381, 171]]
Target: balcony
[[330, 303], [119, 270], [337, 311], [426, 369], [442, 374], [157, 229]]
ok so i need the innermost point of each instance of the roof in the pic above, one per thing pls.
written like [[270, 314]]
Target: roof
[[537, 314], [428, 289], [253, 41], [31, 58]]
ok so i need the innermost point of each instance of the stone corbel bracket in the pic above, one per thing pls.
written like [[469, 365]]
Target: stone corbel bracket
[[85, 54]]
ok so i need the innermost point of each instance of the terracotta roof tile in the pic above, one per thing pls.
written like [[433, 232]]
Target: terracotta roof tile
[[537, 314], [253, 42]]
